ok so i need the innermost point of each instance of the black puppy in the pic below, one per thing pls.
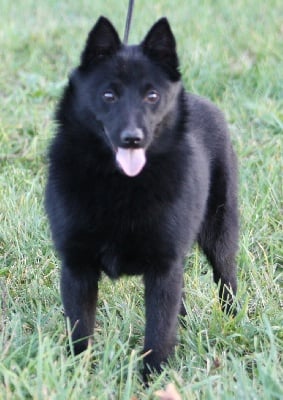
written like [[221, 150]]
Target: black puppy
[[139, 170]]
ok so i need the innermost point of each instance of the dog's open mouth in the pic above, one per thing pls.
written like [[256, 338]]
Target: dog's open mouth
[[131, 161]]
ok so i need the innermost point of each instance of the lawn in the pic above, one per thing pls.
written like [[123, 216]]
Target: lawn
[[232, 53]]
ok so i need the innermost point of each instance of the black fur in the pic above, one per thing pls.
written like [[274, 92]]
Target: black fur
[[105, 221]]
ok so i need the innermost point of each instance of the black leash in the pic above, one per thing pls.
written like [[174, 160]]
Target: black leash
[[128, 21]]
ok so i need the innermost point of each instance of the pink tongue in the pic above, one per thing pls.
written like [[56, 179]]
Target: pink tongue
[[131, 161]]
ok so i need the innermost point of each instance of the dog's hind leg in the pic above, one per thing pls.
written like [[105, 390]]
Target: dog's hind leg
[[218, 238], [220, 249], [183, 311]]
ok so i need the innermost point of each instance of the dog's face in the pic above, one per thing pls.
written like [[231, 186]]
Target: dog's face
[[130, 90]]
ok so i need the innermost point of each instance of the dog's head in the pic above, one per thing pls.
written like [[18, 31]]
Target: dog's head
[[130, 90]]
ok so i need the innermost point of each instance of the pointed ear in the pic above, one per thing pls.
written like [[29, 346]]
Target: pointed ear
[[160, 46], [102, 42]]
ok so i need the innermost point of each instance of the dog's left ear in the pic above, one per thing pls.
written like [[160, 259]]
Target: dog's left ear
[[160, 46], [103, 41]]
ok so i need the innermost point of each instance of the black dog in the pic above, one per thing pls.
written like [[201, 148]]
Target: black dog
[[139, 170]]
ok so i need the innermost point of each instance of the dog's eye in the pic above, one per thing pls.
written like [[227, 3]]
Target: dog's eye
[[109, 96], [152, 97]]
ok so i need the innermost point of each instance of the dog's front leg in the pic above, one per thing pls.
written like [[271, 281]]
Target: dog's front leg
[[79, 295], [163, 293]]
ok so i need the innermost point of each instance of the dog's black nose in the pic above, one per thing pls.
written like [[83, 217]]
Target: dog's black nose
[[132, 138]]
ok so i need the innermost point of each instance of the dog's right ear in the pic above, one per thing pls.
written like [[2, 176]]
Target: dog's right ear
[[102, 42]]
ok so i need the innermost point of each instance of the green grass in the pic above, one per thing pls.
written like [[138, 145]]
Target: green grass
[[232, 53]]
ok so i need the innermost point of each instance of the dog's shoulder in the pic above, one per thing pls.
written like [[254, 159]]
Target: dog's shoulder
[[206, 119], [203, 110]]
